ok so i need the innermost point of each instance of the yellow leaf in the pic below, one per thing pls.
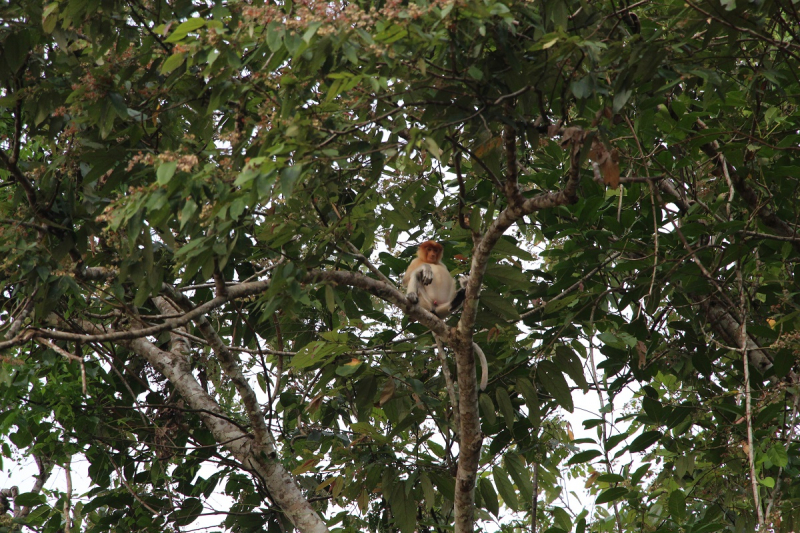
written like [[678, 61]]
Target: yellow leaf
[[305, 466], [387, 393], [545, 46]]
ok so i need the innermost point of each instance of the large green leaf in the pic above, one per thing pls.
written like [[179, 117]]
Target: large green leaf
[[553, 380]]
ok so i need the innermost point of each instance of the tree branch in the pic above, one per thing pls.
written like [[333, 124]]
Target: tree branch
[[750, 196], [20, 178], [282, 487], [229, 362]]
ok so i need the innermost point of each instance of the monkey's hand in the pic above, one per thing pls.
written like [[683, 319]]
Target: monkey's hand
[[425, 274], [463, 280], [412, 297]]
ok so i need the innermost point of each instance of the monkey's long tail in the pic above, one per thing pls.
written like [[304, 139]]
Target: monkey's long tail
[[484, 366]]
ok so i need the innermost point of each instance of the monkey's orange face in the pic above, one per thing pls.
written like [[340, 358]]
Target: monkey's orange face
[[431, 253]]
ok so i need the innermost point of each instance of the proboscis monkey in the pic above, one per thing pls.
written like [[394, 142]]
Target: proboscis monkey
[[429, 284]]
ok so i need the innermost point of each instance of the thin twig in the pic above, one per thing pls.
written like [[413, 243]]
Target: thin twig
[[448, 381], [61, 351], [747, 398], [67, 496], [653, 196], [789, 440], [130, 489], [572, 287], [372, 268], [535, 499], [768, 236]]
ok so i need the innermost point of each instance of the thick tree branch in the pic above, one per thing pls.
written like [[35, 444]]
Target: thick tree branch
[[385, 292], [229, 362], [16, 325], [507, 217], [262, 461], [21, 180], [379, 288], [45, 469], [461, 341], [769, 217]]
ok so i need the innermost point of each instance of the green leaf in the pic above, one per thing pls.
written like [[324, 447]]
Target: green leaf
[[582, 88], [499, 305], [189, 209], [173, 62], [433, 148], [275, 33], [677, 505], [403, 508], [507, 247], [610, 478], [639, 474], [49, 21], [562, 518], [553, 380], [189, 512], [349, 368], [614, 440], [165, 172], [107, 119], [330, 299], [505, 488], [489, 495], [427, 490], [119, 105], [644, 441], [778, 455], [16, 46], [528, 391], [620, 99], [569, 361], [508, 275], [504, 402], [487, 409], [554, 306], [184, 29], [311, 31], [30, 499], [610, 495], [314, 353], [289, 177], [519, 472], [583, 457], [445, 483], [711, 527]]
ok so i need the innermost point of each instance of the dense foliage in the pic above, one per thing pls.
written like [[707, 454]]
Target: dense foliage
[[207, 206]]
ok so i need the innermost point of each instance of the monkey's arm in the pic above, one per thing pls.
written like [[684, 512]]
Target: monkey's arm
[[422, 275], [410, 270]]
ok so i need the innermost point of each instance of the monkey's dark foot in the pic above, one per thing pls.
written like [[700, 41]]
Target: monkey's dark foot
[[412, 297]]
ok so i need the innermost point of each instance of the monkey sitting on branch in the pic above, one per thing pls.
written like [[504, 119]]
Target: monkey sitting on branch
[[429, 284]]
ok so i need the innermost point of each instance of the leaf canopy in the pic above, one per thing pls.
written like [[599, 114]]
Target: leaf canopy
[[207, 208]]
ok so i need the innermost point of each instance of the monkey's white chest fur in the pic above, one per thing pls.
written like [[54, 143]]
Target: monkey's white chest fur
[[433, 284]]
